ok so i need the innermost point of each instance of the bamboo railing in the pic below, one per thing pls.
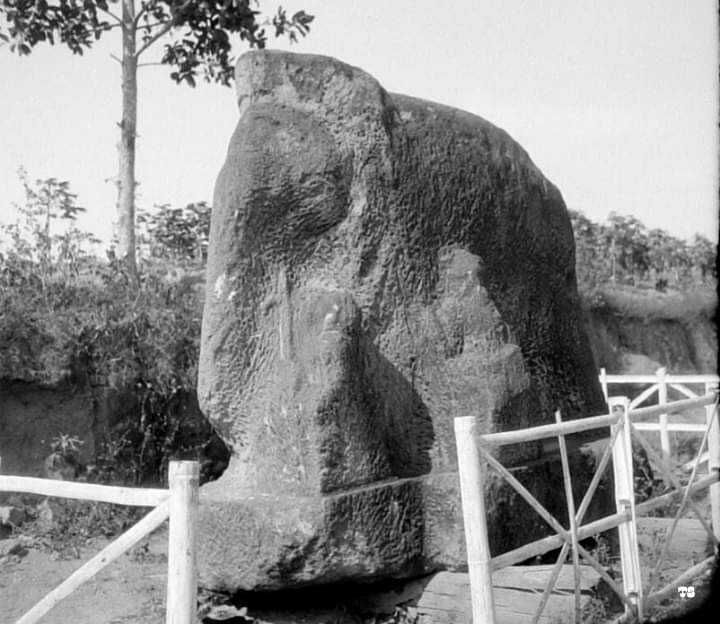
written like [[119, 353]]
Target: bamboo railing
[[661, 383], [178, 504], [475, 455]]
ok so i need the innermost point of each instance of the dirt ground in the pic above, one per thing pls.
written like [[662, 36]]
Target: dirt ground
[[132, 588], [689, 545]]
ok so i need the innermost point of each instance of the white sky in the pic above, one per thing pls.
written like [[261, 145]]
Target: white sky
[[615, 100]]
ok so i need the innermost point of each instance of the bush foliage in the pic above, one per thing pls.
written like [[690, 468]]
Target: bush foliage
[[68, 316], [623, 252]]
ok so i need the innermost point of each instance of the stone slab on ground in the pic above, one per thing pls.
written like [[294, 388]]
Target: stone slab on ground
[[516, 590], [445, 598]]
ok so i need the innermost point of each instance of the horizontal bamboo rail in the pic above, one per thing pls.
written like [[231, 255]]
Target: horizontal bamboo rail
[[673, 406], [540, 432], [134, 497], [577, 425], [640, 379], [553, 542], [677, 427]]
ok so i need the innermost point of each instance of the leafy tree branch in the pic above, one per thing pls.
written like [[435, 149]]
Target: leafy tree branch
[[201, 45]]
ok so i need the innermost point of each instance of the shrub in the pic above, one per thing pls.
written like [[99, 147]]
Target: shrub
[[67, 316]]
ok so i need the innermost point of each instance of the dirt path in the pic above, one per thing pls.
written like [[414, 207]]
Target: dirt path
[[131, 589]]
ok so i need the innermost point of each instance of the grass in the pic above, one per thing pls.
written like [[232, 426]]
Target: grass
[[64, 526], [647, 304]]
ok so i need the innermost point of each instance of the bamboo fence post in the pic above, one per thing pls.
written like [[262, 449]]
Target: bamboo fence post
[[625, 501], [712, 418], [183, 479], [604, 383], [663, 420], [472, 494], [572, 521]]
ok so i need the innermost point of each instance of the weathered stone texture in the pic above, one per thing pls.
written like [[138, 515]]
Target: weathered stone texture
[[378, 265]]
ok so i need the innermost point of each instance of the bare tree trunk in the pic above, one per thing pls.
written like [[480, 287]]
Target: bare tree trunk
[[126, 147]]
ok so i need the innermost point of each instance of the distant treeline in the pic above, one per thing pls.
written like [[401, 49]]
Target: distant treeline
[[622, 251]]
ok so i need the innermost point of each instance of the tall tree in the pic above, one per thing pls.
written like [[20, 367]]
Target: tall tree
[[199, 44]]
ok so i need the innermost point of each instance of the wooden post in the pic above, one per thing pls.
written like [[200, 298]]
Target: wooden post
[[663, 420], [625, 501], [711, 418], [572, 522], [604, 383], [472, 493], [183, 478]]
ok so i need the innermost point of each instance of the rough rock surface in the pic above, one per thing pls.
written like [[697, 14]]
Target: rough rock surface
[[378, 265]]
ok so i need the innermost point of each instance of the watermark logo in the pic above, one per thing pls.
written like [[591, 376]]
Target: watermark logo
[[686, 592]]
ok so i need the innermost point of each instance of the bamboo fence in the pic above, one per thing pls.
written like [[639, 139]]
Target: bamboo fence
[[475, 457], [178, 504]]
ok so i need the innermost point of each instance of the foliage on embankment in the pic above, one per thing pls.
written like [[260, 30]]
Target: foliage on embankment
[[70, 318], [622, 250]]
